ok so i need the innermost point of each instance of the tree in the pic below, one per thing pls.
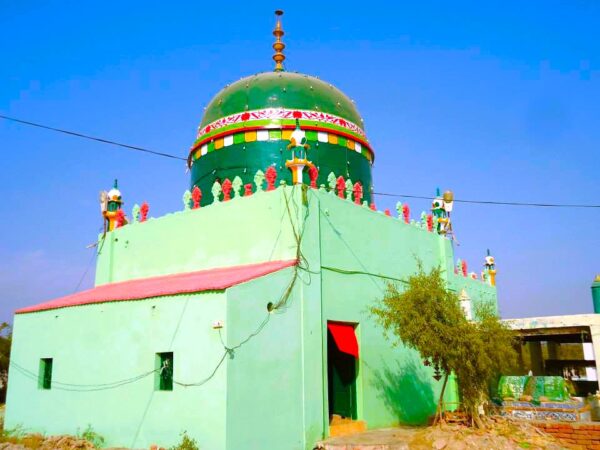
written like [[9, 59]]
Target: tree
[[5, 343], [427, 317]]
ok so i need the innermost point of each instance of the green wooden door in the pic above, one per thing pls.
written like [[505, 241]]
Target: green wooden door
[[341, 372]]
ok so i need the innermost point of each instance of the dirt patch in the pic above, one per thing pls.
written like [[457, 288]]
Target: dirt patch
[[499, 435], [39, 442]]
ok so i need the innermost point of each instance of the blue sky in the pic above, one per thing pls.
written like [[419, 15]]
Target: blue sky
[[494, 100]]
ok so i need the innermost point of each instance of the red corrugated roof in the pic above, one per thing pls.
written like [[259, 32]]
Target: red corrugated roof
[[181, 283]]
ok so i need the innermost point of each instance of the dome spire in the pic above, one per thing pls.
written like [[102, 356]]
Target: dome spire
[[278, 46]]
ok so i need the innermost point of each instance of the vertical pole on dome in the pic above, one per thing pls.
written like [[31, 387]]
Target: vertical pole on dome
[[278, 46]]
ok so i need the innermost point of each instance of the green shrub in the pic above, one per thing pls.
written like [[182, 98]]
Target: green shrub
[[92, 436], [186, 443]]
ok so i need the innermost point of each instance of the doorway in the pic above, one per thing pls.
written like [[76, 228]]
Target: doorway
[[341, 375]]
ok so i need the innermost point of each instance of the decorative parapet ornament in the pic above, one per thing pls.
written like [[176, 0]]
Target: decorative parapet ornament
[[490, 268], [111, 203], [299, 161], [441, 207]]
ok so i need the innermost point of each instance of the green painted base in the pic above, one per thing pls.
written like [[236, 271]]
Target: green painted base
[[244, 160]]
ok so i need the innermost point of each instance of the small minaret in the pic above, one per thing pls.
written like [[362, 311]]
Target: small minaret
[[596, 294], [441, 207], [298, 145], [465, 304], [278, 46], [110, 206], [490, 268]]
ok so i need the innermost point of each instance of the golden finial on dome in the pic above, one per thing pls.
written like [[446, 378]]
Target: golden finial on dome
[[278, 46]]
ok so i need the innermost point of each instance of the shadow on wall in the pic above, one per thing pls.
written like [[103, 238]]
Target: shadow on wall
[[406, 391]]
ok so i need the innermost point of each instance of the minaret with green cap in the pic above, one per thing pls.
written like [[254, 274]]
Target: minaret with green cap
[[596, 294]]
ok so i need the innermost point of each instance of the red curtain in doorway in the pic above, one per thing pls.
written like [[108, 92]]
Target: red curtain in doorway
[[344, 337]]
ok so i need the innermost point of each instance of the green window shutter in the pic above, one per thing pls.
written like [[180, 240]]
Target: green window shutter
[[163, 380], [45, 374]]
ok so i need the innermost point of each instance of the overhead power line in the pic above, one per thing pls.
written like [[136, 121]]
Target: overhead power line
[[93, 138], [493, 202], [384, 194]]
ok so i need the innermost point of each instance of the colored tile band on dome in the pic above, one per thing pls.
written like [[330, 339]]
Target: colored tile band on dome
[[284, 135], [281, 114]]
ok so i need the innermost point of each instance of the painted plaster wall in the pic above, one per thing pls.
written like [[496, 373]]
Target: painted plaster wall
[[242, 231], [266, 388], [275, 383], [393, 385], [101, 343], [275, 387]]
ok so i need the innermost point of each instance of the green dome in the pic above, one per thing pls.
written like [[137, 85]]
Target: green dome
[[280, 90], [248, 126]]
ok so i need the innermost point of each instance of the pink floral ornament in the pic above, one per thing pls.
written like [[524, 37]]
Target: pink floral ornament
[[226, 186], [144, 209], [271, 176]]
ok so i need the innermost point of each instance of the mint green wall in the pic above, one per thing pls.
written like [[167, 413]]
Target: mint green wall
[[273, 388], [393, 384], [272, 392], [101, 343], [276, 387], [242, 231]]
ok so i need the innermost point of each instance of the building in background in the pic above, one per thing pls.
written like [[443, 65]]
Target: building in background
[[563, 345]]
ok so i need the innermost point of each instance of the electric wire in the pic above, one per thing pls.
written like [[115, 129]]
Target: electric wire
[[92, 138], [91, 260], [362, 272], [281, 303], [75, 387], [494, 202], [383, 194]]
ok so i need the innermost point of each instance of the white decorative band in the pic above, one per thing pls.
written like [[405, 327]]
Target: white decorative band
[[280, 113]]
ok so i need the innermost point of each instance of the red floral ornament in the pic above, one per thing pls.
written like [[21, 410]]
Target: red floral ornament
[[245, 116], [313, 174], [119, 218], [358, 192], [271, 176], [372, 206], [248, 190], [406, 213], [196, 197], [296, 114], [464, 268], [144, 212], [226, 189], [429, 222], [387, 212], [341, 187]]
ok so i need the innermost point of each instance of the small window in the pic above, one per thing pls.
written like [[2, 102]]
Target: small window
[[45, 374], [164, 372]]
